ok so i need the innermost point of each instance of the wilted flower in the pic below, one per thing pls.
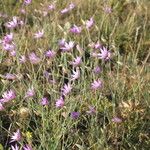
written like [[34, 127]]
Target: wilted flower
[[67, 46], [8, 96], [16, 147], [34, 59], [44, 101], [91, 110], [89, 23], [97, 84], [50, 53], [107, 9], [105, 54], [75, 29], [39, 34], [77, 61], [75, 115], [116, 120], [66, 89], [27, 2], [59, 103], [27, 147], [16, 136], [75, 75], [69, 8]]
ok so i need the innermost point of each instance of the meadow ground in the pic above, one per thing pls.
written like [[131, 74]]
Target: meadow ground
[[74, 75]]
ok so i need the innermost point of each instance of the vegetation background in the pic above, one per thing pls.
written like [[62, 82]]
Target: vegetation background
[[125, 94]]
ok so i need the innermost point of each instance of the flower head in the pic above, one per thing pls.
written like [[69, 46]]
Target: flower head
[[75, 115], [67, 46], [51, 7], [39, 34], [97, 84], [91, 110], [22, 59], [27, 147], [44, 101], [50, 54], [34, 59], [27, 2], [66, 89], [75, 29], [8, 96], [77, 61], [97, 70], [116, 120], [89, 23], [10, 76], [16, 136], [30, 93], [12, 24], [15, 147], [75, 75], [105, 54], [59, 103], [8, 38]]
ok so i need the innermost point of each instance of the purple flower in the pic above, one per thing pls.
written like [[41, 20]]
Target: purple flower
[[8, 96], [75, 29], [107, 9], [91, 110], [51, 7], [89, 23], [10, 76], [12, 24], [15, 147], [76, 62], [30, 93], [71, 6], [16, 136], [59, 103], [1, 106], [50, 54], [27, 147], [44, 101], [67, 46], [97, 84], [27, 2], [64, 11], [12, 53], [34, 59], [75, 75], [97, 70], [116, 120], [105, 54], [61, 42], [8, 47], [66, 89], [39, 34], [22, 59], [8, 38], [97, 45], [75, 115]]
